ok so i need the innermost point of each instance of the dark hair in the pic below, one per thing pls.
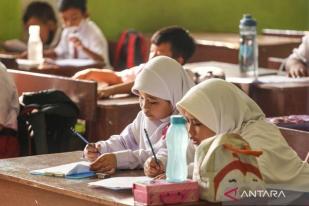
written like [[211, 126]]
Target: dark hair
[[40, 10], [76, 4], [182, 43]]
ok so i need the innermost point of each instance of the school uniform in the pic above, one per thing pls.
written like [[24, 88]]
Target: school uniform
[[161, 77], [224, 108], [91, 37], [55, 40], [302, 52]]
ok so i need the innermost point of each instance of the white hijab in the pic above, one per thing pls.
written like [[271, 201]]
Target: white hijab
[[165, 78], [9, 105], [224, 108]]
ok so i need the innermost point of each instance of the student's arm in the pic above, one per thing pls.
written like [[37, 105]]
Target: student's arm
[[99, 75], [126, 146], [297, 62], [124, 88], [296, 68], [50, 53], [93, 55]]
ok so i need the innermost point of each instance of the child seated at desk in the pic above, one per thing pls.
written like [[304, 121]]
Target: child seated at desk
[[81, 37], [161, 83], [217, 107], [42, 14], [172, 41], [9, 108]]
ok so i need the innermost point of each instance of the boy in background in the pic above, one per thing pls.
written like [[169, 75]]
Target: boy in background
[[42, 14], [173, 41], [81, 37]]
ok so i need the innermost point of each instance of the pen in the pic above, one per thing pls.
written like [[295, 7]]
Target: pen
[[154, 154], [80, 136]]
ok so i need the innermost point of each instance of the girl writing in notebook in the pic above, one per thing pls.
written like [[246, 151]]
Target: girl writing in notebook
[[159, 86], [217, 107]]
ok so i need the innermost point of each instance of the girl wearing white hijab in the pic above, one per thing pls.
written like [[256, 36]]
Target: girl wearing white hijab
[[9, 108], [216, 107], [160, 85]]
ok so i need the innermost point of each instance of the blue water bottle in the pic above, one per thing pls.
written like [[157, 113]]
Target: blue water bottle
[[248, 50], [177, 142]]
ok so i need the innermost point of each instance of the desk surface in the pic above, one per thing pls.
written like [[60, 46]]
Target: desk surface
[[16, 171], [231, 40], [61, 70], [275, 99], [230, 70]]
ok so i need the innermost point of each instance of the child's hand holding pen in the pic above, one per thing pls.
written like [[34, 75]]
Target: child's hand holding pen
[[152, 168], [92, 151]]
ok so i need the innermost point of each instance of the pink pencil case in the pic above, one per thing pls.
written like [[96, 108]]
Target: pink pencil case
[[160, 192]]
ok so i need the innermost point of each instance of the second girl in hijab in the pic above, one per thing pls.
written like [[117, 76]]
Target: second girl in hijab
[[160, 85]]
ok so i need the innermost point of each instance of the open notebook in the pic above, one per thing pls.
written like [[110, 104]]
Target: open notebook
[[118, 183], [75, 170]]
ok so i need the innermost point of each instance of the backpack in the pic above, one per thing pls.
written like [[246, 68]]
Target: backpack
[[49, 115], [131, 50], [225, 167]]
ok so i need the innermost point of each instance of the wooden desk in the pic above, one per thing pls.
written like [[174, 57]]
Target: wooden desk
[[114, 114], [282, 99], [18, 187], [9, 61], [224, 47], [298, 140], [275, 99], [83, 93], [103, 117]]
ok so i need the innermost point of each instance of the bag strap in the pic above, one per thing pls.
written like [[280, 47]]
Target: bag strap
[[245, 151], [131, 50], [119, 46], [144, 48]]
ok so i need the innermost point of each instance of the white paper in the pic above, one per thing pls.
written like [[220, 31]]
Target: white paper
[[117, 183], [64, 170], [74, 62], [27, 63], [279, 79], [267, 79]]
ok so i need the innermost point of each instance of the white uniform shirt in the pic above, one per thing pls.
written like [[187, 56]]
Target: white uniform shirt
[[91, 37], [161, 77], [302, 52]]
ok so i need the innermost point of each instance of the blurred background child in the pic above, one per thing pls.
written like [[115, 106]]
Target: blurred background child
[[81, 38], [42, 14]]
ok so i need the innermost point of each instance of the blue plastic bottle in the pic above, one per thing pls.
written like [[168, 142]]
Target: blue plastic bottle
[[248, 50], [177, 142]]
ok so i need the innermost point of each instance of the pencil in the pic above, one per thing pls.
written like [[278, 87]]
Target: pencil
[[154, 154], [80, 136]]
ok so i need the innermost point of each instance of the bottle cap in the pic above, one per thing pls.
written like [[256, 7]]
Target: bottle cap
[[247, 20], [34, 30], [177, 119]]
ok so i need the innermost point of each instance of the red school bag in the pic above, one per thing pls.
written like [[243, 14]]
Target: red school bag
[[131, 50]]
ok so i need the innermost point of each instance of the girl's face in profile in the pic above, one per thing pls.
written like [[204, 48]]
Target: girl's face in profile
[[197, 130], [154, 108]]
